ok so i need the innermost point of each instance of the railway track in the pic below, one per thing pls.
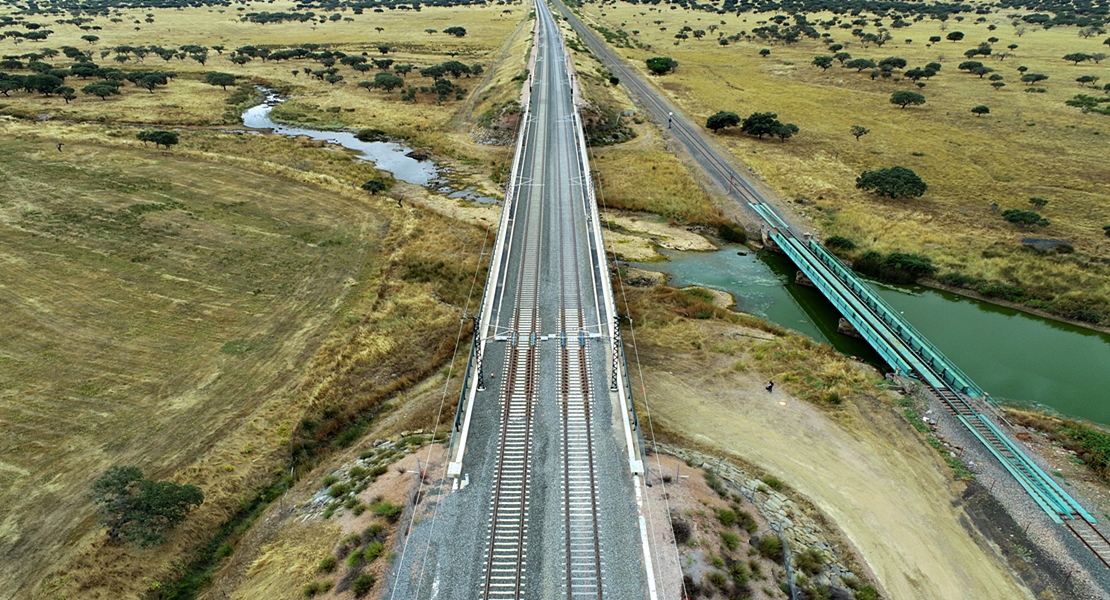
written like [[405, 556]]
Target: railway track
[[907, 351], [506, 548], [583, 569]]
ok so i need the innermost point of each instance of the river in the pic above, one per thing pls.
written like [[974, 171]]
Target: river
[[386, 156], [1019, 358]]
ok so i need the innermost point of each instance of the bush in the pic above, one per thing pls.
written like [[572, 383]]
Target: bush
[[730, 540], [1003, 291], [339, 489], [716, 579], [362, 584], [391, 512], [837, 242], [774, 483], [746, 521], [327, 564], [732, 233], [330, 480], [867, 592], [898, 267], [726, 517], [374, 186], [959, 280], [1024, 218], [373, 551], [913, 264], [770, 548], [809, 562]]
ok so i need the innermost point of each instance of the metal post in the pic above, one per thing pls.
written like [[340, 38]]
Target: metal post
[[616, 352]]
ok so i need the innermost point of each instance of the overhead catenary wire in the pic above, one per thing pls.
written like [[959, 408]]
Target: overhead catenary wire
[[600, 194], [439, 416]]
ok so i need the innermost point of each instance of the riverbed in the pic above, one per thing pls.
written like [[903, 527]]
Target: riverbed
[[1019, 358], [386, 156]]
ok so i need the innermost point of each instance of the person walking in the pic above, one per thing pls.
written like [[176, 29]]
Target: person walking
[[770, 387]]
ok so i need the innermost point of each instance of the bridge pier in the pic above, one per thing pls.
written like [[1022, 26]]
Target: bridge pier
[[845, 327], [768, 240]]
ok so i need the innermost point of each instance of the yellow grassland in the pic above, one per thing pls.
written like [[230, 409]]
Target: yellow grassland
[[188, 100], [1031, 144], [191, 340]]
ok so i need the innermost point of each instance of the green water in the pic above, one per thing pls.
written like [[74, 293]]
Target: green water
[[1017, 357]]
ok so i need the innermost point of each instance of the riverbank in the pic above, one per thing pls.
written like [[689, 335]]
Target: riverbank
[[1025, 308]]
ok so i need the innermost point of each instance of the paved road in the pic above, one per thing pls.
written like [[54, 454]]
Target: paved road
[[711, 157], [548, 509]]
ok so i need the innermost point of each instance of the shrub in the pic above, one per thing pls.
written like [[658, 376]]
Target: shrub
[[867, 592], [746, 521], [716, 484], [362, 584], [716, 579], [391, 512], [898, 267], [913, 264], [1106, 229], [371, 532], [1024, 218], [357, 472], [732, 233], [726, 517], [959, 280], [373, 551], [770, 548], [374, 186], [1004, 291], [809, 562], [327, 564], [774, 483], [339, 489], [730, 540], [354, 560], [329, 480], [739, 572], [837, 242]]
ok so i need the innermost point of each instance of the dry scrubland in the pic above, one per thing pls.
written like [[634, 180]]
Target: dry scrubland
[[189, 101], [828, 431], [189, 328], [202, 312], [1031, 144]]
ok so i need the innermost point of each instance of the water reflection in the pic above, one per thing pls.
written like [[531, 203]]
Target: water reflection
[[1015, 356], [387, 156]]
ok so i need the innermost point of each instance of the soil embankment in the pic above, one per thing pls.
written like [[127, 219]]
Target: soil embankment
[[861, 465]]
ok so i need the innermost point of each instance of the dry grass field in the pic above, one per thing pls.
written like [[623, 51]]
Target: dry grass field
[[188, 100], [1031, 144], [183, 311], [204, 311]]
